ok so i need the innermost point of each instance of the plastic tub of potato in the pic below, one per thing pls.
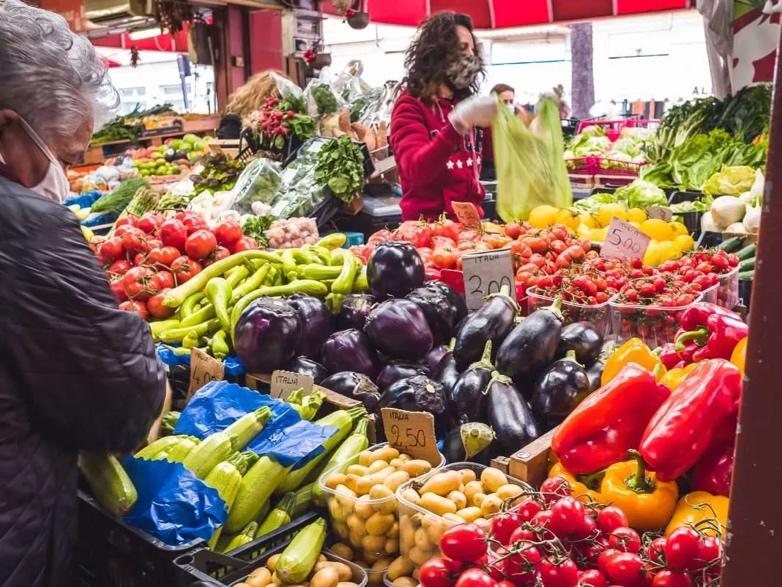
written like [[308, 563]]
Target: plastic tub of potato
[[458, 493], [361, 500]]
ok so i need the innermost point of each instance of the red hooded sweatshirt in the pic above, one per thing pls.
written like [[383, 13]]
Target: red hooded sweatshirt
[[436, 164]]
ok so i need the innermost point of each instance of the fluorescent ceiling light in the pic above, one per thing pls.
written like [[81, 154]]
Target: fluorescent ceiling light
[[142, 34]]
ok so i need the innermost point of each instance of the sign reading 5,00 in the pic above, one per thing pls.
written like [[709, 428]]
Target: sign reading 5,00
[[485, 274], [624, 241]]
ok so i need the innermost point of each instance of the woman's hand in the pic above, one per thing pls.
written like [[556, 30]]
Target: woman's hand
[[474, 111]]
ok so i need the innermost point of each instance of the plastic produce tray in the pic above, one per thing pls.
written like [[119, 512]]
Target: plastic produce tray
[[196, 565], [598, 314], [111, 552], [726, 292], [655, 325]]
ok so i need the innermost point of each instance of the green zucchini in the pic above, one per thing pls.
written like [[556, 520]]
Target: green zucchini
[[279, 516], [347, 451], [299, 557], [108, 481], [255, 490], [747, 265], [747, 252], [156, 447], [226, 477], [747, 275], [178, 453], [244, 537], [732, 244]]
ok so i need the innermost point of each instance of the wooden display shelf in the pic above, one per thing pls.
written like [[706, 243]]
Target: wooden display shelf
[[530, 463]]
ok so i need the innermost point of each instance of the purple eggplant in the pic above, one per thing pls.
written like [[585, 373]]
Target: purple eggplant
[[315, 323], [397, 370], [491, 322], [467, 396], [448, 374], [532, 345], [510, 417], [584, 339], [458, 305], [308, 367], [354, 311], [267, 335], [434, 358], [418, 394], [438, 310], [394, 269], [559, 390], [349, 350], [398, 329], [354, 385]]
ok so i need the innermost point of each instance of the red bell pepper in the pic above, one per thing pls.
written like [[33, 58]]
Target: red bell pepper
[[709, 332], [608, 423], [669, 356], [713, 472], [687, 424]]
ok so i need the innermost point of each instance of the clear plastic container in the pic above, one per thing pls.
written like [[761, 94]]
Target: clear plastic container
[[420, 529], [368, 524], [655, 325], [598, 314], [726, 292]]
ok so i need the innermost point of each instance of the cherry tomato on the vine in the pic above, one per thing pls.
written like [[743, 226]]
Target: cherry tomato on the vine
[[464, 542]]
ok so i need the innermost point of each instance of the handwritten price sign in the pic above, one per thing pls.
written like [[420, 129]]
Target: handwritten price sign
[[467, 214], [283, 383], [485, 274], [411, 432], [203, 369], [624, 241], [659, 212]]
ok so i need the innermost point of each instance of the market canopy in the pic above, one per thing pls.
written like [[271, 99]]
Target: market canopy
[[487, 14]]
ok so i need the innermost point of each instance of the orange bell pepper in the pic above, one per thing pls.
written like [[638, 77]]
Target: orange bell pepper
[[580, 489], [739, 355]]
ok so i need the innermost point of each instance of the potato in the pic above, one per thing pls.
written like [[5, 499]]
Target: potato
[[372, 558], [342, 550], [433, 533], [417, 467], [344, 572], [366, 458], [336, 510], [404, 457], [394, 531], [242, 584], [478, 498], [325, 577], [347, 584], [365, 483], [422, 538], [385, 453], [404, 582], [467, 475], [271, 563], [351, 481], [382, 564], [395, 479], [254, 582], [378, 524], [481, 521], [442, 483], [333, 479], [373, 543], [458, 498], [419, 556], [357, 470], [470, 514], [509, 491], [400, 567], [455, 518], [437, 504], [492, 479], [322, 558], [376, 466], [392, 546], [345, 497], [363, 507], [471, 488], [406, 534], [411, 495], [355, 539], [491, 505], [396, 463], [375, 579], [261, 577]]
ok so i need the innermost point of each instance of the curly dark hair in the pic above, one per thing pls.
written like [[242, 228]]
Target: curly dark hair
[[435, 45]]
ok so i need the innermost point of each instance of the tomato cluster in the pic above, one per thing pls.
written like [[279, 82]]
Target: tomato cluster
[[552, 539], [592, 282], [148, 255]]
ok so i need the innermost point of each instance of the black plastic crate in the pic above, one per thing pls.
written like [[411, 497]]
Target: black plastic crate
[[214, 569], [692, 220], [111, 553], [679, 196], [745, 291], [709, 239]]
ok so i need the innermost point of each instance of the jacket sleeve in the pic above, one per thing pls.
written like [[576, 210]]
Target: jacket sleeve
[[421, 156], [88, 370]]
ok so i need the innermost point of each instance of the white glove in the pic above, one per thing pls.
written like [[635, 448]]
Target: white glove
[[474, 111]]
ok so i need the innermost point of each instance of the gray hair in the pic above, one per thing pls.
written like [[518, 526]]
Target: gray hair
[[50, 76]]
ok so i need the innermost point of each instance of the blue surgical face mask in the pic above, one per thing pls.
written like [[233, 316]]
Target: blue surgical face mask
[[54, 184]]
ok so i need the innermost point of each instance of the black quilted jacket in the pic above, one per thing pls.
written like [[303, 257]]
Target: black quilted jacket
[[75, 373]]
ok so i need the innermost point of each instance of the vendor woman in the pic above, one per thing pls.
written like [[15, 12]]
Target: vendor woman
[[436, 122]]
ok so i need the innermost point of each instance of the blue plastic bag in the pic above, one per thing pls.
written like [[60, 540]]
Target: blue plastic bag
[[173, 505], [294, 445]]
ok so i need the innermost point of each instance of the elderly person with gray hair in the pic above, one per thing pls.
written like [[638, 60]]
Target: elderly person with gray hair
[[76, 373]]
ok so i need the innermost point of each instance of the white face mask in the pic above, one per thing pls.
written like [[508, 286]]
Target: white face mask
[[54, 184]]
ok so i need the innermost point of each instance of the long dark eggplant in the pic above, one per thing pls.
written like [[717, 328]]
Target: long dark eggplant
[[308, 367], [584, 339], [559, 390], [397, 370], [467, 397], [509, 416], [354, 385], [595, 373], [448, 372], [468, 442], [532, 345], [491, 322]]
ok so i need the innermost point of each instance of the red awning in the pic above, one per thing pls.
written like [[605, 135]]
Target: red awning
[[169, 43], [488, 14]]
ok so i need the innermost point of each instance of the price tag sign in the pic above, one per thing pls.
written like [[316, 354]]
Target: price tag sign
[[203, 369], [624, 241], [285, 382], [486, 274], [467, 214], [411, 432], [659, 212]]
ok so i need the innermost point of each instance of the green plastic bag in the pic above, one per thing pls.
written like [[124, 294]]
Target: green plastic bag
[[529, 162]]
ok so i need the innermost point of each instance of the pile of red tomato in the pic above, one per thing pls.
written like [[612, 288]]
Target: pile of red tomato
[[552, 539], [148, 255]]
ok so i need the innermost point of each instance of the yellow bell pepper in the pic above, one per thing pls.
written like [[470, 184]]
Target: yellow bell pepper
[[696, 508], [647, 502], [633, 351], [739, 355], [580, 490], [674, 377]]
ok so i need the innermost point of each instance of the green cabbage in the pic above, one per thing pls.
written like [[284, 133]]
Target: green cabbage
[[730, 181], [529, 162], [641, 194]]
